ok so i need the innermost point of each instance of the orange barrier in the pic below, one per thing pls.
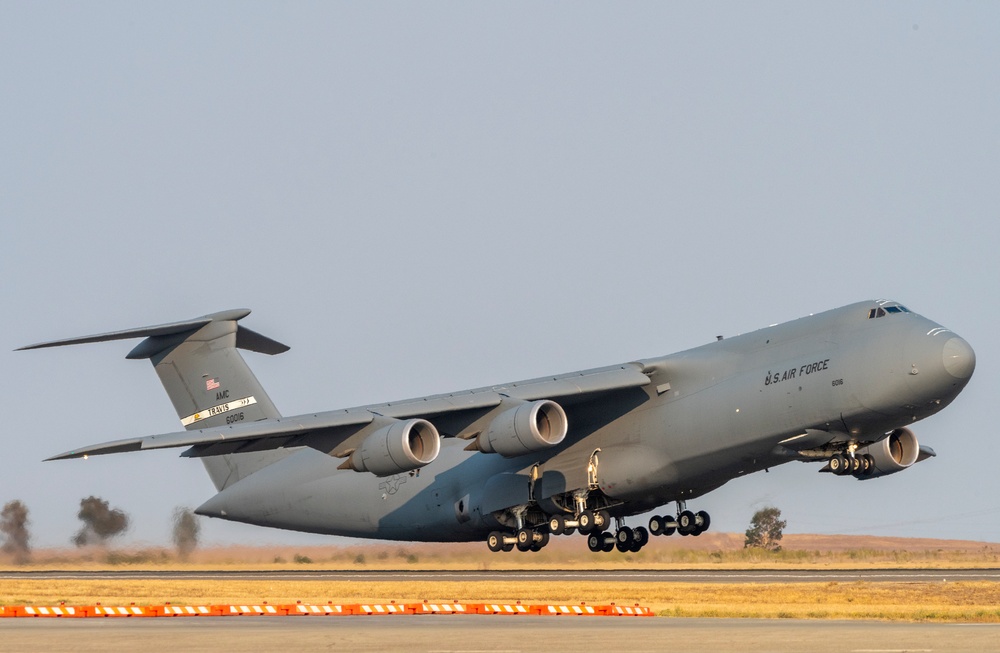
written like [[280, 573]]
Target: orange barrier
[[330, 609]]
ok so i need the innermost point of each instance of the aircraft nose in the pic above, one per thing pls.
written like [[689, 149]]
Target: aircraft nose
[[959, 359]]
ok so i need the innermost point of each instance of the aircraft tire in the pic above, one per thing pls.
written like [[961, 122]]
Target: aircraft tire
[[586, 520], [557, 524], [544, 541], [656, 526], [624, 535], [602, 519], [640, 535], [495, 541], [525, 538], [609, 542], [870, 464], [686, 524], [595, 542], [704, 518]]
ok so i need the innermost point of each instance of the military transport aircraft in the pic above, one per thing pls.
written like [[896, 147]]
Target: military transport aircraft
[[517, 462]]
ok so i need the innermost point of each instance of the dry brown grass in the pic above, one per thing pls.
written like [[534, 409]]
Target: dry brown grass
[[960, 602], [709, 551]]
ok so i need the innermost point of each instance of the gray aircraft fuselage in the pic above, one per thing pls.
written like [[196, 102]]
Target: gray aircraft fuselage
[[803, 390]]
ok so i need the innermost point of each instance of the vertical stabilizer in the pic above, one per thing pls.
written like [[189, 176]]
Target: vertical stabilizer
[[207, 379]]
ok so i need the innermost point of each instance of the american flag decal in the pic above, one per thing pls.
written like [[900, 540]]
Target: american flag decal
[[211, 384]]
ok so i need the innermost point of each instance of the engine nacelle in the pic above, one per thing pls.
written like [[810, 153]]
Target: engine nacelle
[[531, 426], [894, 453], [402, 446]]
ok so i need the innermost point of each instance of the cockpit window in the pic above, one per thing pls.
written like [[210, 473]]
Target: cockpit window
[[885, 310]]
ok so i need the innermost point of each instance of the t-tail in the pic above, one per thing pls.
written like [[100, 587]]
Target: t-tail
[[206, 378]]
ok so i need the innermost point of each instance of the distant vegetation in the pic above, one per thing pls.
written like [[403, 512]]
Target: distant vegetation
[[765, 530], [14, 528], [185, 532], [100, 522]]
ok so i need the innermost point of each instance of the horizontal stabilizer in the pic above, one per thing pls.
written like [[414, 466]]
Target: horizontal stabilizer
[[162, 335], [232, 437]]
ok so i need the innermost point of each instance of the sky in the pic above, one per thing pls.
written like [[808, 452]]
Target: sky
[[425, 197]]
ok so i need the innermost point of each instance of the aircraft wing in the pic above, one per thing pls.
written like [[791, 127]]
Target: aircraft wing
[[332, 431]]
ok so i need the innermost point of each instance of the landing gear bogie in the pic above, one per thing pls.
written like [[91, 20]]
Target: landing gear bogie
[[524, 539]]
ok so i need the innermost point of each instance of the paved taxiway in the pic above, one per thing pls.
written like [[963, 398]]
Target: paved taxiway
[[632, 575], [471, 634]]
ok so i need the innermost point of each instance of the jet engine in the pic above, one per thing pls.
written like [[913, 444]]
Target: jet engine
[[399, 447], [527, 427], [895, 453]]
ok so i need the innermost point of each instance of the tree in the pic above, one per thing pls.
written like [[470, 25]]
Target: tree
[[14, 526], [100, 522], [186, 530], [765, 530]]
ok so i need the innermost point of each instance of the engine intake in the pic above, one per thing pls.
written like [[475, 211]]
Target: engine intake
[[893, 453], [402, 446], [531, 426]]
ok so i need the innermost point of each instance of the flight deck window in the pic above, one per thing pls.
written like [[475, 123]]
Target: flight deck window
[[876, 312], [893, 309]]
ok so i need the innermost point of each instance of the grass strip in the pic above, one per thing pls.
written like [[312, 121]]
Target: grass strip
[[973, 601]]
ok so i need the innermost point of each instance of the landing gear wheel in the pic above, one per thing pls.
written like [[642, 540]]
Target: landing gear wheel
[[602, 519], [544, 539], [507, 548], [656, 526], [869, 464], [524, 539], [639, 538], [686, 523], [595, 542], [703, 520], [557, 524], [624, 539], [838, 464], [587, 521], [495, 541], [609, 542], [855, 465]]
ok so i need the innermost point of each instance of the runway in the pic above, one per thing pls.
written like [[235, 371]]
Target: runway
[[465, 634], [631, 575]]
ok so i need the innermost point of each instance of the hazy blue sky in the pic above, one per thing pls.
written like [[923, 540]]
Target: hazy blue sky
[[424, 197]]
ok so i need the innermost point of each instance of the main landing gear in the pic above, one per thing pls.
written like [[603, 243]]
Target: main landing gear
[[686, 523], [625, 539], [524, 539], [595, 524]]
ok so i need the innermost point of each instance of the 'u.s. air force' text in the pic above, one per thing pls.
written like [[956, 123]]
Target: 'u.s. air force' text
[[801, 371]]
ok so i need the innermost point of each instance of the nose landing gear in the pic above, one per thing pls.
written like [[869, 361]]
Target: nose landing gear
[[851, 465]]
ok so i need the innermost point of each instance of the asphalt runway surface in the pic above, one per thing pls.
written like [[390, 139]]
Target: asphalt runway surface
[[495, 634], [631, 575]]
